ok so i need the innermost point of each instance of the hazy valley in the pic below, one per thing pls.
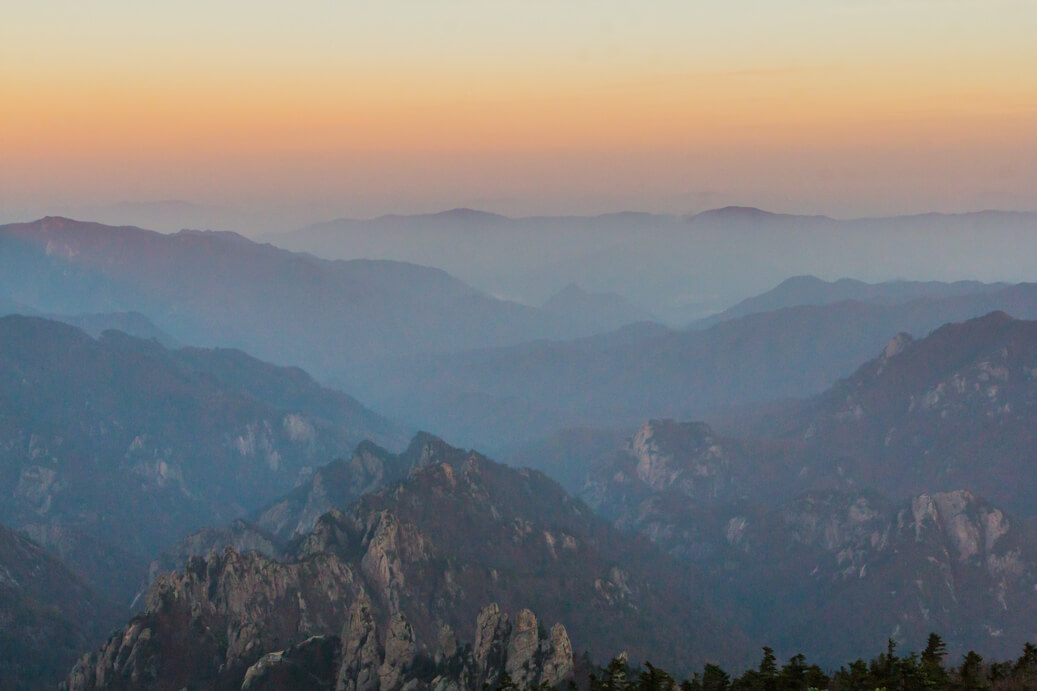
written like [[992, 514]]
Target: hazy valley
[[819, 453]]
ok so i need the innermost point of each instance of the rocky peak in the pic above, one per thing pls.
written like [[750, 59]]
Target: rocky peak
[[343, 481], [492, 631], [970, 525], [362, 653], [684, 456], [896, 345]]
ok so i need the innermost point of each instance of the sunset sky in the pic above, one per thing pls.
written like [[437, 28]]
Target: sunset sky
[[843, 107]]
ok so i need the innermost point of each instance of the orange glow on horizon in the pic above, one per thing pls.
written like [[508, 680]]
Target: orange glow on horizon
[[120, 88]]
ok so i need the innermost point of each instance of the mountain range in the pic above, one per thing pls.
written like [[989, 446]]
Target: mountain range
[[421, 557], [502, 397], [811, 290], [182, 439], [220, 289], [681, 268], [853, 499]]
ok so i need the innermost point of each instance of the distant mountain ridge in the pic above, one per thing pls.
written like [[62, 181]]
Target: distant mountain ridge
[[682, 268], [595, 312], [132, 323], [510, 395], [218, 288], [810, 290]]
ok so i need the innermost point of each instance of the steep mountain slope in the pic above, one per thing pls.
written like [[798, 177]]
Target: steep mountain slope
[[611, 381], [48, 616], [516, 537], [946, 562], [795, 569], [221, 289], [459, 533], [336, 485], [121, 441], [955, 409]]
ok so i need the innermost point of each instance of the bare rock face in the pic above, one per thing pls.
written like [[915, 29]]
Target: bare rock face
[[361, 651], [400, 651], [535, 658], [492, 631], [955, 409], [207, 626], [558, 658], [308, 666], [244, 621], [523, 649], [958, 564], [391, 574], [343, 481], [687, 457], [523, 653], [131, 445]]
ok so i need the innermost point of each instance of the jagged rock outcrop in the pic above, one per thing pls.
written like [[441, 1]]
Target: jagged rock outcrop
[[692, 464], [179, 644], [522, 653], [208, 625], [949, 562], [403, 569], [341, 482], [492, 631], [458, 534], [241, 535], [333, 487], [308, 666], [362, 653]]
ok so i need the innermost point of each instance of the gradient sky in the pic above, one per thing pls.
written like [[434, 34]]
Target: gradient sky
[[844, 107]]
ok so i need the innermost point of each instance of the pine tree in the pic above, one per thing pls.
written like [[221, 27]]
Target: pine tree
[[654, 679], [768, 667], [935, 676], [971, 674], [935, 651], [715, 679]]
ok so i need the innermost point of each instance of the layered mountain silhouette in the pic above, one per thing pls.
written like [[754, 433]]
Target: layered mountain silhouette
[[858, 502], [218, 288], [681, 268], [810, 290], [509, 395], [132, 323]]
